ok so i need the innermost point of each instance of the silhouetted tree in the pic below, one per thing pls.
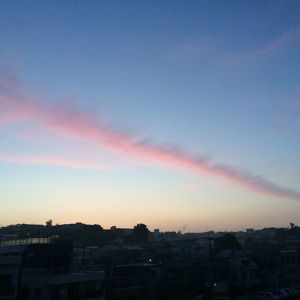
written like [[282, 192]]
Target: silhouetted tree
[[141, 233], [49, 223], [292, 225], [227, 241]]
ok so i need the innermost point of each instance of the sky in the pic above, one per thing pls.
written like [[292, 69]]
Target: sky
[[176, 114]]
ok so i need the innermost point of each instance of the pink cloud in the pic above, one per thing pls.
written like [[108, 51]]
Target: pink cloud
[[49, 160], [7, 119], [74, 124]]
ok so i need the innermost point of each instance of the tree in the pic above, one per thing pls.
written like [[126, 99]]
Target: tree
[[141, 233], [49, 223]]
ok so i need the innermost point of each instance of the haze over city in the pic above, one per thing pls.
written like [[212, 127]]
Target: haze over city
[[177, 114]]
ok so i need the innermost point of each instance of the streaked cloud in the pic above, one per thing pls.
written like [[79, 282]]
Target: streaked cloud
[[269, 47], [72, 123], [49, 160], [289, 116], [195, 48]]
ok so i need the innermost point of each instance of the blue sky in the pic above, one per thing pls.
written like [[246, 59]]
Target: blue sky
[[216, 79]]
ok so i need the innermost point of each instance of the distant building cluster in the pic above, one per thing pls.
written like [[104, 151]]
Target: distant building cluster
[[79, 261]]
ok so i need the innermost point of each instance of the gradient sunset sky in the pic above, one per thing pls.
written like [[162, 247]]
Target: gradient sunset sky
[[168, 113]]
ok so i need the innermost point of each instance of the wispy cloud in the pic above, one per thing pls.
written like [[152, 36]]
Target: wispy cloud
[[194, 48], [49, 160], [75, 124], [289, 118], [269, 47]]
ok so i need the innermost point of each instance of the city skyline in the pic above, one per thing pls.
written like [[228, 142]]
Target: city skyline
[[163, 113]]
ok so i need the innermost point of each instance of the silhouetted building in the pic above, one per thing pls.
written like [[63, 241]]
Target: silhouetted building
[[44, 271]]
